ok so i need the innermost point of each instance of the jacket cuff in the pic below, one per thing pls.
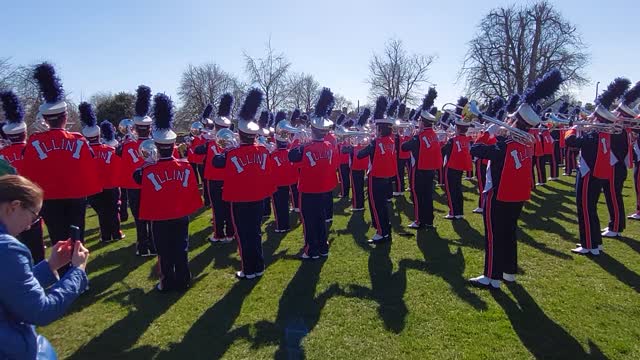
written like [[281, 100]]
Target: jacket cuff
[[44, 275]]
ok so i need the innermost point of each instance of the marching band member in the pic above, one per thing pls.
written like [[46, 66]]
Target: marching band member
[[223, 231], [495, 107], [508, 187], [381, 152], [105, 203], [284, 173], [130, 162], [358, 165], [318, 176], [264, 133], [403, 156], [162, 181], [426, 159], [548, 149], [557, 134], [331, 138], [197, 159], [16, 132], [636, 171], [571, 154], [620, 148], [343, 159], [596, 168], [296, 121], [58, 151], [538, 165], [247, 182], [124, 198], [457, 160]]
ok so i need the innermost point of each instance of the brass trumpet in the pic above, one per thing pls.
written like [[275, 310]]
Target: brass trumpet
[[518, 135], [284, 130], [343, 133], [613, 128], [405, 128]]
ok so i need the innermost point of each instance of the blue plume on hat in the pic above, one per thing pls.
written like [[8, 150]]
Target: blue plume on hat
[[428, 100], [226, 102], [143, 100], [251, 104], [445, 117], [462, 102], [87, 116], [348, 123], [13, 111], [631, 95], [162, 111], [412, 113], [433, 111], [543, 87], [617, 87], [575, 111], [393, 108], [48, 82], [495, 105], [325, 101], [264, 119], [364, 116], [512, 104], [206, 113], [280, 115], [295, 114], [107, 130], [402, 109], [381, 107], [563, 108], [340, 119]]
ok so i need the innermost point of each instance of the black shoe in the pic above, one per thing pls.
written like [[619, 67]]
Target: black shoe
[[142, 253]]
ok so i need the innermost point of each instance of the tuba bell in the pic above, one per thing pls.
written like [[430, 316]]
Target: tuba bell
[[227, 139], [126, 128], [148, 151], [196, 128]]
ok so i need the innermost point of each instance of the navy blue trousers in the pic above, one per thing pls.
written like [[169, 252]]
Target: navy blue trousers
[[357, 184], [422, 188], [34, 240], [123, 205], [329, 205], [500, 226], [588, 189], [295, 196], [59, 215], [378, 205], [222, 226], [144, 235], [313, 215], [345, 180], [106, 205], [172, 241], [453, 187], [247, 218], [281, 207], [613, 197]]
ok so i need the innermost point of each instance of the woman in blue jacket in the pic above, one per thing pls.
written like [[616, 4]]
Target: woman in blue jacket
[[32, 295]]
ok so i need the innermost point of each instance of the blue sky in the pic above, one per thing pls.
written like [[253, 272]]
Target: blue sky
[[116, 45]]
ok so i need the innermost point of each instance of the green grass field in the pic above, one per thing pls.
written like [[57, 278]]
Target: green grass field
[[405, 300]]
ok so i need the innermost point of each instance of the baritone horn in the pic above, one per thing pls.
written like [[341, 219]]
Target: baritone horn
[[284, 130], [518, 135], [226, 139], [344, 133]]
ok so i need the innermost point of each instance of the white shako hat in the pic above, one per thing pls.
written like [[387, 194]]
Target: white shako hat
[[543, 87], [248, 111], [324, 105], [380, 111], [14, 113], [603, 103], [51, 90], [89, 121], [459, 120], [427, 103], [108, 132], [224, 111], [143, 105], [163, 120], [628, 98]]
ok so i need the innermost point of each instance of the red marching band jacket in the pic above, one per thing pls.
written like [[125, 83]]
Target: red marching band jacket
[[384, 163], [169, 190], [13, 155], [538, 150], [131, 161], [404, 155], [108, 165], [486, 139], [62, 163], [547, 142], [460, 155], [343, 158], [192, 157], [247, 174], [516, 177], [211, 172], [430, 151], [603, 168], [283, 171], [359, 164], [318, 168]]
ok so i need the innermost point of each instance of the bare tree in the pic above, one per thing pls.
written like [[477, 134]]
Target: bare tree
[[303, 91], [342, 104], [269, 74], [7, 71], [201, 85], [516, 44], [397, 74]]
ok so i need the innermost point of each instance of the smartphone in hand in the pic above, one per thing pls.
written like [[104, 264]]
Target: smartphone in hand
[[75, 234]]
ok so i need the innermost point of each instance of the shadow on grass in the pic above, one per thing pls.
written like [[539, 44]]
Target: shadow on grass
[[542, 336], [634, 244], [145, 307], [469, 236], [619, 270], [211, 335], [439, 261]]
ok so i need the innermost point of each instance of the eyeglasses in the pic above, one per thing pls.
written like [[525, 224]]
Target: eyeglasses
[[36, 218]]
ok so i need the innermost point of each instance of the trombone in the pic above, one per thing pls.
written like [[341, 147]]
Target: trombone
[[518, 135]]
